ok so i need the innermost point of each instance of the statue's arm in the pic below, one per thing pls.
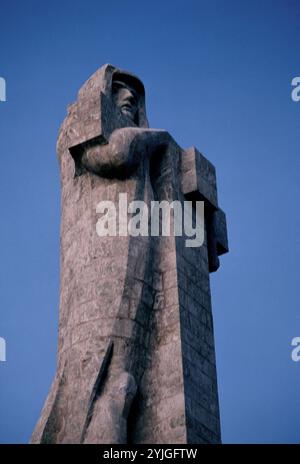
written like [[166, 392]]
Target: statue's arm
[[122, 154]]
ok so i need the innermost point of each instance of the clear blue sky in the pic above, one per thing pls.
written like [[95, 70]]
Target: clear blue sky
[[218, 76]]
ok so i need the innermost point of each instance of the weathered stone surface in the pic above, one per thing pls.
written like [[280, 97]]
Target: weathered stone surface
[[136, 359], [199, 177]]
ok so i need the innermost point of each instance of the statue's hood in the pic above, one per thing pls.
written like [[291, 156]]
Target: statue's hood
[[94, 116], [101, 82]]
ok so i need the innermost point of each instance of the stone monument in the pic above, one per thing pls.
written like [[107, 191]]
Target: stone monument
[[136, 358]]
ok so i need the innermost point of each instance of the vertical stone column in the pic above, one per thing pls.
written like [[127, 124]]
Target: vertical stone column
[[178, 395]]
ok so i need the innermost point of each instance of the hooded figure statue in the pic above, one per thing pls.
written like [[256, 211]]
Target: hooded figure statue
[[121, 372]]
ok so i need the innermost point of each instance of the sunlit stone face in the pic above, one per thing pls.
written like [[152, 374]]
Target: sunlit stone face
[[126, 99]]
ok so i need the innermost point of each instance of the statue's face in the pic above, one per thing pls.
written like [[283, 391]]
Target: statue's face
[[126, 99]]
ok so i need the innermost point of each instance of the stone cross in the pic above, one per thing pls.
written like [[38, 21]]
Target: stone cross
[[136, 359]]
